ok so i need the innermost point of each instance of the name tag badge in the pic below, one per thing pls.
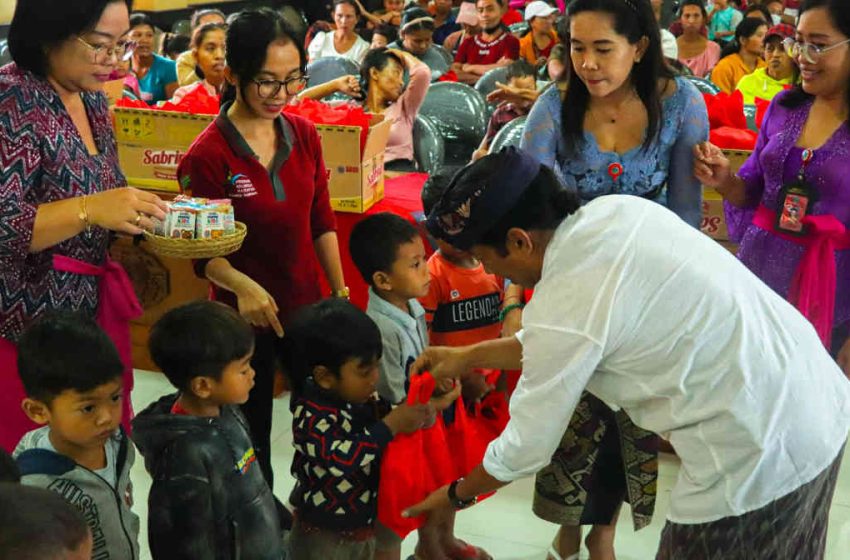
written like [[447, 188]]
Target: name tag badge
[[797, 201]]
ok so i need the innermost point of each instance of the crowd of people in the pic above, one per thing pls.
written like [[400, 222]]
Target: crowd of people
[[574, 257]]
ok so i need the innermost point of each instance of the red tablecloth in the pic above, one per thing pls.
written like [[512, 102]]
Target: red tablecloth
[[402, 197]]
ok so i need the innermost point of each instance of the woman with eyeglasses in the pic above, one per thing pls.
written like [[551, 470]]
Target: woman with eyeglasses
[[157, 75], [270, 165], [62, 193], [789, 205]]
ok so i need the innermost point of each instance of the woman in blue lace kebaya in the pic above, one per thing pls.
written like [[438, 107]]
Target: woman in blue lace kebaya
[[623, 125]]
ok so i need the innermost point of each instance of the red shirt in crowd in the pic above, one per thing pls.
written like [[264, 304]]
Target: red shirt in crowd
[[474, 50], [285, 209]]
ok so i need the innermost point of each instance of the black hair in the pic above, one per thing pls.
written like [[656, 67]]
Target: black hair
[[377, 59], [351, 3], [9, 471], [746, 29], [65, 351], [633, 20], [198, 39], [840, 17], [761, 9], [140, 18], [412, 14], [175, 44], [543, 205], [199, 339], [38, 524], [374, 243], [519, 68], [433, 189], [387, 30], [196, 17], [249, 35], [698, 3], [329, 334], [39, 25]]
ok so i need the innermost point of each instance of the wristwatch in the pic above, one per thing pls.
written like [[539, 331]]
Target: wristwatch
[[456, 502], [343, 293]]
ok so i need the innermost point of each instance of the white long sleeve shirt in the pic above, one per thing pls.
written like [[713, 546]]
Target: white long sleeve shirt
[[652, 316]]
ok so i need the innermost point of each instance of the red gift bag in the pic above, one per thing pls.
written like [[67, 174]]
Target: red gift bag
[[729, 138], [407, 473], [347, 114]]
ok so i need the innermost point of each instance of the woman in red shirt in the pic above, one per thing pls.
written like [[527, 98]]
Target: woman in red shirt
[[270, 165]]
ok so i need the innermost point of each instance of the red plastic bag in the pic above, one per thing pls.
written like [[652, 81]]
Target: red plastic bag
[[405, 475], [347, 114], [729, 138], [450, 76], [725, 110], [128, 103], [761, 109], [491, 416]]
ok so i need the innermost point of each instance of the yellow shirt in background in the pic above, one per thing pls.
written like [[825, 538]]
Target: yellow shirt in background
[[730, 70], [759, 84]]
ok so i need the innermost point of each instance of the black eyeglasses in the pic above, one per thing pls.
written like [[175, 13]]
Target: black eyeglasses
[[271, 88]]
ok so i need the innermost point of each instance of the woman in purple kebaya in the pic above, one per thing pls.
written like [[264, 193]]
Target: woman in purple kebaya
[[789, 205]]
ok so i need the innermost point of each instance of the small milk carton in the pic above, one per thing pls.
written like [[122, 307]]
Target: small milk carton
[[181, 223]]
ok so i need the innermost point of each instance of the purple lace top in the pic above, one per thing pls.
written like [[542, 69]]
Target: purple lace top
[[774, 162]]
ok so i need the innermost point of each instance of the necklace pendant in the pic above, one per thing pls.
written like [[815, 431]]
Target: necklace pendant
[[615, 170]]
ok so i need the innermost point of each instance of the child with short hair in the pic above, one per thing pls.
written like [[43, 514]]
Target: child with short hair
[[71, 374], [390, 255], [331, 355], [465, 305], [522, 85], [37, 524], [209, 498]]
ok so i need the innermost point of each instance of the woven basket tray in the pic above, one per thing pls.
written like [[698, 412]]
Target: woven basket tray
[[197, 248]]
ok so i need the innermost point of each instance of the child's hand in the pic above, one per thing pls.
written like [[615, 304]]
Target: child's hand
[[475, 386], [444, 401], [406, 419]]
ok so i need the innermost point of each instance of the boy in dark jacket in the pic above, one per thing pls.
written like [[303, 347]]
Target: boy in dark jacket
[[332, 352], [71, 373], [209, 499]]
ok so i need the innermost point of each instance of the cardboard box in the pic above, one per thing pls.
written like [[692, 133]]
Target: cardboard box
[[114, 90], [160, 5], [713, 220], [151, 144], [355, 183]]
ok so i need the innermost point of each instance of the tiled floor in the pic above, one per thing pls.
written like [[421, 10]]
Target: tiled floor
[[504, 525]]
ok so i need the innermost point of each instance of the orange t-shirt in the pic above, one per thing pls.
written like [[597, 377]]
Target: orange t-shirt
[[462, 306]]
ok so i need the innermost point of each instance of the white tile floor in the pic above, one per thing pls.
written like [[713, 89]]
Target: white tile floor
[[504, 525]]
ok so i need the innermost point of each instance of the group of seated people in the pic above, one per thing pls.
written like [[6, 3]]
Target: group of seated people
[[402, 47]]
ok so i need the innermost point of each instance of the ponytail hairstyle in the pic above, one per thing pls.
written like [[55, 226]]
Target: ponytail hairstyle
[[634, 20], [746, 29], [377, 59], [198, 37], [248, 38], [840, 17]]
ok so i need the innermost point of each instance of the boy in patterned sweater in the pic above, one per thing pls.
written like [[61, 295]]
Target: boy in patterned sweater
[[331, 355]]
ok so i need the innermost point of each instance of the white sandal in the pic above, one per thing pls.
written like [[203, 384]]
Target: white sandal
[[553, 552]]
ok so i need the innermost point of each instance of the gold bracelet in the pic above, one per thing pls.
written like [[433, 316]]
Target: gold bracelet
[[343, 293], [84, 213]]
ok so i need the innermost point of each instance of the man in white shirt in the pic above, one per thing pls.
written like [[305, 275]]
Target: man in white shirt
[[651, 316]]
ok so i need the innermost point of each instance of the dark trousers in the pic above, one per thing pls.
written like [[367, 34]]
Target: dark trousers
[[258, 409]]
